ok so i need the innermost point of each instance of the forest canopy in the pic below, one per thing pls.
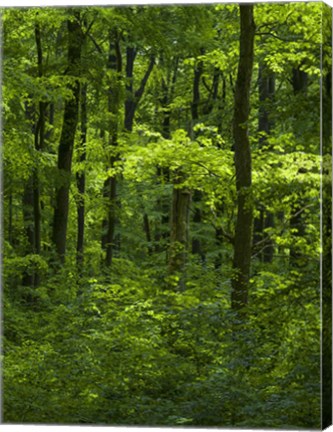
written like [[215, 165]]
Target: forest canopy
[[167, 214]]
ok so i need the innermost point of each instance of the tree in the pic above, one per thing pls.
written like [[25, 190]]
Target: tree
[[266, 86], [243, 230], [81, 179], [66, 145], [31, 197], [179, 232], [110, 184]]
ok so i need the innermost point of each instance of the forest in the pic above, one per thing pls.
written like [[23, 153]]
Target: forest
[[166, 218]]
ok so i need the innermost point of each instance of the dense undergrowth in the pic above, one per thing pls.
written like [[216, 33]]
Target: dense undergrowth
[[130, 351]]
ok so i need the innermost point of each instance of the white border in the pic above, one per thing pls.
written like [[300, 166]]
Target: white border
[[30, 3]]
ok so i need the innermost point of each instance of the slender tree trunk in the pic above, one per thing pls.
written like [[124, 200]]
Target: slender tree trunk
[[109, 240], [299, 80], [197, 219], [219, 239], [181, 202], [198, 71], [211, 103], [81, 181], [28, 278], [10, 218], [197, 195], [133, 97], [51, 110], [31, 199], [179, 236], [165, 101], [163, 203], [243, 232], [146, 227], [168, 87], [65, 151], [39, 146], [130, 101], [299, 83], [110, 185], [266, 219]]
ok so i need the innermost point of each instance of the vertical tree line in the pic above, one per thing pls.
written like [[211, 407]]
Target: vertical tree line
[[243, 230], [66, 144]]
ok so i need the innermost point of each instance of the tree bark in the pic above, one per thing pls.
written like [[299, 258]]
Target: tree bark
[[163, 203], [39, 146], [129, 102], [197, 195], [65, 150], [198, 71], [81, 181], [299, 83], [243, 232], [110, 188], [146, 227], [31, 199], [179, 235], [110, 184], [28, 278], [134, 97], [265, 220], [10, 218]]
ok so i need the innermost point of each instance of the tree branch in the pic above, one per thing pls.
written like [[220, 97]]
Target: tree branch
[[138, 94], [99, 49], [283, 39]]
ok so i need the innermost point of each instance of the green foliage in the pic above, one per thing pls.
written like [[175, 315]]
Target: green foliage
[[90, 343], [126, 353]]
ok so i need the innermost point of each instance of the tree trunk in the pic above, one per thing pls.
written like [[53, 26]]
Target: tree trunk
[[110, 184], [266, 219], [10, 218], [197, 195], [28, 278], [219, 239], [109, 242], [133, 97], [198, 71], [163, 203], [39, 146], [243, 232], [81, 181], [299, 83], [146, 227], [299, 80], [31, 199], [65, 151], [181, 200], [130, 101], [165, 101]]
